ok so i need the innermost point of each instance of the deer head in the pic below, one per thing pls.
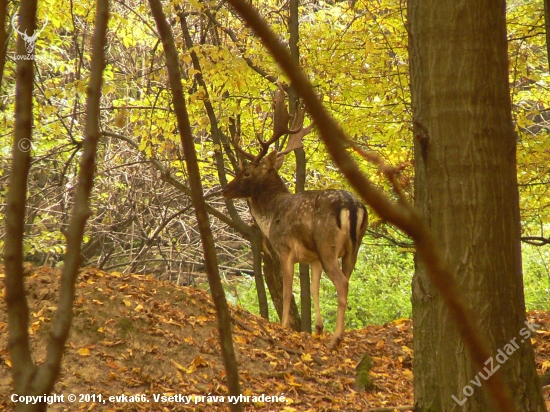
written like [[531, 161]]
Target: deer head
[[262, 170]]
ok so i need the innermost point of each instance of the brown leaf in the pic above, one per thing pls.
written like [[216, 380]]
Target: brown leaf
[[112, 364]]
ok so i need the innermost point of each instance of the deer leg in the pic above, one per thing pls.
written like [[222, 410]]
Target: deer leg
[[316, 270], [341, 283], [348, 263], [287, 268]]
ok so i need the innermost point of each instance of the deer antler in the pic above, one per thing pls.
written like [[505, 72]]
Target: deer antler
[[280, 123], [295, 140], [280, 128], [237, 144]]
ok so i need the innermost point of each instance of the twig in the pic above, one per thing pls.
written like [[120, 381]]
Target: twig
[[191, 162]]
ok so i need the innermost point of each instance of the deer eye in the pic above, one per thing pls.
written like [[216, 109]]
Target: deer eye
[[246, 174]]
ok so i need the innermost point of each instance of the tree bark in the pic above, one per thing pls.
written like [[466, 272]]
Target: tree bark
[[28, 378], [256, 246], [547, 29], [305, 289], [17, 306], [466, 188], [3, 39]]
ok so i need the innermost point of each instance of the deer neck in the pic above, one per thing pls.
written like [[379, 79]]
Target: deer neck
[[263, 203]]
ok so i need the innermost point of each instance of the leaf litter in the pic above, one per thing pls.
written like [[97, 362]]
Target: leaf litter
[[136, 335]]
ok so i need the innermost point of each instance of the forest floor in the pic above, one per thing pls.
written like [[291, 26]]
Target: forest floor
[[134, 335]]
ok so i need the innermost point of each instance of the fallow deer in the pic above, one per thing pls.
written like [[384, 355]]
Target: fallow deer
[[316, 227]]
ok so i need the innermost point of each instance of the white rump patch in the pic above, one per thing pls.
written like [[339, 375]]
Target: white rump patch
[[344, 220], [360, 217]]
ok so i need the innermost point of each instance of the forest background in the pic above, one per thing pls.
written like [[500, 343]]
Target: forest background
[[142, 218]]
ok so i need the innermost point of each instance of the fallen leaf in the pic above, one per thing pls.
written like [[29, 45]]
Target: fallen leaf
[[306, 357], [240, 339], [111, 364], [84, 352], [177, 365], [198, 361]]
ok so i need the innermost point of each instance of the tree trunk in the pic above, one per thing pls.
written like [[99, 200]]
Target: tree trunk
[[305, 289], [256, 246], [547, 28], [197, 196], [466, 187]]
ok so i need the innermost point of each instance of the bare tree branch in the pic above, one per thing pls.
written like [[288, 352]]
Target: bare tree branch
[[18, 310], [165, 175], [29, 379], [535, 240]]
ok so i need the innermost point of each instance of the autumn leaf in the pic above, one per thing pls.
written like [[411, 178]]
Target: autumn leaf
[[33, 328], [177, 365], [202, 319], [198, 361], [306, 357], [290, 380], [240, 339], [84, 352], [112, 365]]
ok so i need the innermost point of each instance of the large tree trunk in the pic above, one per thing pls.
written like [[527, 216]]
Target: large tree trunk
[[466, 187]]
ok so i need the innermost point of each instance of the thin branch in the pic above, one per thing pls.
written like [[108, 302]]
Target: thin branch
[[167, 177], [535, 240], [247, 60], [211, 262], [3, 38], [18, 310], [390, 239], [48, 372]]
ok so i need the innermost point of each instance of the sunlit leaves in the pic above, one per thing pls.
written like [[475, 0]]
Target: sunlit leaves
[[530, 83]]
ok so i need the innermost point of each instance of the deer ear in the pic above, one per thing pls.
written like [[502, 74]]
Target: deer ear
[[279, 162], [270, 160]]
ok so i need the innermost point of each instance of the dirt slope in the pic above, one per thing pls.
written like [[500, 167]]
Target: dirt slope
[[134, 335]]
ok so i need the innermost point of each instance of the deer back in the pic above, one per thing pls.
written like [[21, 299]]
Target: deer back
[[313, 223]]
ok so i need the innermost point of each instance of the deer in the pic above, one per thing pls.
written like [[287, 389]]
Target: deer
[[316, 226]]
